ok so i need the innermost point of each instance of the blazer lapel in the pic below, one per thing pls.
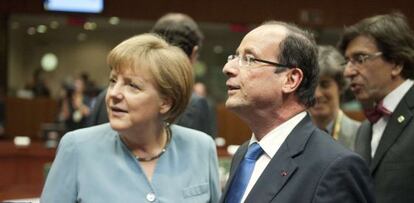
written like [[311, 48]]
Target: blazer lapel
[[238, 156], [363, 141], [282, 166], [396, 124]]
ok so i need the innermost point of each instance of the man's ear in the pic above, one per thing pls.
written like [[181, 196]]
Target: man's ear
[[194, 55], [294, 78], [396, 70], [165, 105]]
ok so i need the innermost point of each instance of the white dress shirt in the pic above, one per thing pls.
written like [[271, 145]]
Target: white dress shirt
[[390, 102], [270, 144]]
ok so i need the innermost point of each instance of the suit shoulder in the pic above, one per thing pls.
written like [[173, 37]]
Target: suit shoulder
[[326, 147]]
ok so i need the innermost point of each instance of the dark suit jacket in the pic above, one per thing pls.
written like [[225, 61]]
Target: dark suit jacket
[[99, 115], [196, 116], [309, 167], [393, 164]]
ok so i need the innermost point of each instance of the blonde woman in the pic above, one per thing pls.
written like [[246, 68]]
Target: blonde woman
[[139, 156]]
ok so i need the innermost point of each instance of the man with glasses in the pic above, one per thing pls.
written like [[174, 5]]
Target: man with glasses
[[379, 53], [271, 82]]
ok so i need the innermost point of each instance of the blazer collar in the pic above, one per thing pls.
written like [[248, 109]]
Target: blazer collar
[[282, 166]]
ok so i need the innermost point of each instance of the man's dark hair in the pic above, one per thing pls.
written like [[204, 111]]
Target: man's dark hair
[[300, 50], [180, 30], [392, 35]]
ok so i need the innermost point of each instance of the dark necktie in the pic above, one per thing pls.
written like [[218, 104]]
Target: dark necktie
[[243, 174], [374, 114]]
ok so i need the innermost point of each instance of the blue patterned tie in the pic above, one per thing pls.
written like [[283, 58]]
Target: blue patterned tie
[[243, 174]]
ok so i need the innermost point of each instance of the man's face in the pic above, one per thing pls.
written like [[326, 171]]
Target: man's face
[[370, 80], [256, 86]]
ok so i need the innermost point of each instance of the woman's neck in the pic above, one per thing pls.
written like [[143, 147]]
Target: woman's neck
[[323, 121], [145, 141]]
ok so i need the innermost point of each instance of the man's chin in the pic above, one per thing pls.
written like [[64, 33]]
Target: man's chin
[[364, 100], [232, 103]]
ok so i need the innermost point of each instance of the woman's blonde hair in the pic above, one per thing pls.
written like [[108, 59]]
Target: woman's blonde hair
[[167, 64]]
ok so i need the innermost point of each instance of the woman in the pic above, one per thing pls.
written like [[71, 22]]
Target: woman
[[138, 157], [326, 113]]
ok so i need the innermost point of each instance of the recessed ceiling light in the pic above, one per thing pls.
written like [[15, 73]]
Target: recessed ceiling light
[[54, 25], [114, 20], [49, 62], [31, 31], [90, 26], [41, 29]]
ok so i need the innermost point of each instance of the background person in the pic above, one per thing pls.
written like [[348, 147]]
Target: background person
[[138, 156], [75, 106], [380, 64], [326, 113]]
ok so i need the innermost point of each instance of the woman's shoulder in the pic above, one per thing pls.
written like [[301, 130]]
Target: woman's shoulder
[[188, 135], [348, 122], [90, 134]]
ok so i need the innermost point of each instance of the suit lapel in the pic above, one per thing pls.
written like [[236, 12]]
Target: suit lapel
[[282, 166], [396, 124], [238, 156], [363, 141]]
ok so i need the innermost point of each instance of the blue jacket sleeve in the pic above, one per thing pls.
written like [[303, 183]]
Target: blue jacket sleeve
[[214, 175]]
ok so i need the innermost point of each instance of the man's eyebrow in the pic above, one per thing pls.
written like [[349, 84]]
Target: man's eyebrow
[[250, 51], [359, 53]]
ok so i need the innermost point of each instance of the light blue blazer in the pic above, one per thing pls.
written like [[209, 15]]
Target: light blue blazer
[[94, 165]]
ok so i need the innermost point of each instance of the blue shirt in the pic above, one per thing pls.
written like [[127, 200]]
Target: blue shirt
[[94, 165]]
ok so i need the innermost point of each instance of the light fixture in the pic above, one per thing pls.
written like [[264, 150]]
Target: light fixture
[[90, 26], [41, 29], [49, 62], [54, 25], [31, 31], [114, 20]]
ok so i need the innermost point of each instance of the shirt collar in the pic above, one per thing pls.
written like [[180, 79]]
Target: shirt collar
[[272, 141], [329, 127], [391, 101]]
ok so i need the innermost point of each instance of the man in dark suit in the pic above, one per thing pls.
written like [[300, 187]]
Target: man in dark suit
[[182, 31], [379, 54], [271, 83]]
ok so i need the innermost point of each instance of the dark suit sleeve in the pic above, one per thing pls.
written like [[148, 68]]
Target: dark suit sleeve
[[197, 115], [203, 122], [99, 114], [345, 180]]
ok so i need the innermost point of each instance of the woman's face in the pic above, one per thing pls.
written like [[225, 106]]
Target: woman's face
[[79, 85], [327, 99], [133, 100]]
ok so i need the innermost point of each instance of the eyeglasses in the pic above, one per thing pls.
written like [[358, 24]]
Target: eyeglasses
[[246, 61], [360, 59]]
